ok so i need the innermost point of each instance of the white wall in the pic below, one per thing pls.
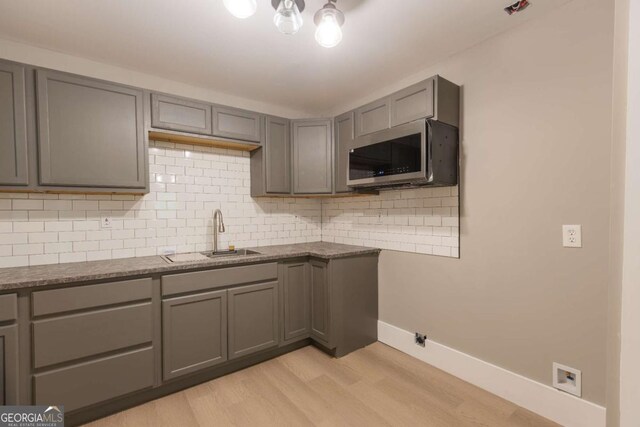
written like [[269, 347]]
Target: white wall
[[630, 348], [536, 149], [187, 185], [46, 58]]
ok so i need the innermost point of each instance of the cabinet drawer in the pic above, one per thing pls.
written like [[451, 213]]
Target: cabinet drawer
[[202, 280], [168, 112], [96, 381], [87, 334], [236, 124], [372, 117], [412, 103], [90, 296], [8, 307]]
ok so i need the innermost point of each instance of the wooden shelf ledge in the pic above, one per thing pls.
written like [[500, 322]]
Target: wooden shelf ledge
[[207, 141]]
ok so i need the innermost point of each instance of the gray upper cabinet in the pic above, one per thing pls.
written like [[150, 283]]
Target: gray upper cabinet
[[13, 125], [169, 112], [8, 365], [236, 124], [277, 154], [295, 301], [253, 318], [320, 316], [372, 117], [91, 133], [412, 103], [344, 134], [194, 330], [312, 156]]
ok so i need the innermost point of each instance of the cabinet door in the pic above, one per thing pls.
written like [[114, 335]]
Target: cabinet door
[[236, 124], [194, 332], [295, 301], [13, 125], [90, 133], [277, 155], [412, 103], [344, 135], [168, 112], [372, 117], [253, 318], [320, 326], [312, 156], [8, 365]]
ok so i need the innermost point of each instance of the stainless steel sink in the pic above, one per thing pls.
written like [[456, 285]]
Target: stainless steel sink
[[201, 256], [239, 252]]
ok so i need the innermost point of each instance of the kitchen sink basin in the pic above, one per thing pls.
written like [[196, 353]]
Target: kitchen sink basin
[[239, 252], [202, 256]]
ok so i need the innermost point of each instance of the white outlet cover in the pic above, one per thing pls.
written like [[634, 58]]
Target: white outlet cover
[[572, 236], [106, 222], [562, 382]]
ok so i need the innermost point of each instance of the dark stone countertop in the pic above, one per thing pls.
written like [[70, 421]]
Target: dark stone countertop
[[49, 275]]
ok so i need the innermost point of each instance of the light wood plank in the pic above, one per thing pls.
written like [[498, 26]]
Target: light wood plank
[[375, 386]]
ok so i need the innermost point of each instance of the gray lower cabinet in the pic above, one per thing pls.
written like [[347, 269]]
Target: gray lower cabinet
[[179, 114], [90, 133], [277, 152], [92, 343], [79, 335], [8, 350], [236, 124], [83, 384], [320, 294], [253, 318], [296, 301], [372, 117], [13, 125], [312, 156], [8, 365], [412, 103], [344, 134], [194, 333]]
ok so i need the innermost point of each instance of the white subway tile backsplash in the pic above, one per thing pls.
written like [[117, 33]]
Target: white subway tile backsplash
[[423, 220], [14, 261], [28, 204], [187, 184]]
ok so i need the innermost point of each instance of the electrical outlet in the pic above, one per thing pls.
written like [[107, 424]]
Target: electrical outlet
[[106, 222], [572, 236], [421, 339], [567, 379], [167, 250]]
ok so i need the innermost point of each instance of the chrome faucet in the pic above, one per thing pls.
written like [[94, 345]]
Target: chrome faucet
[[218, 227]]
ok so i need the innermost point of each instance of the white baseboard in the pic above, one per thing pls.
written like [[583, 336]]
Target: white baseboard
[[546, 401]]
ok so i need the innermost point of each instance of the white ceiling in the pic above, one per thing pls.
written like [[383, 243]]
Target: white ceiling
[[200, 43]]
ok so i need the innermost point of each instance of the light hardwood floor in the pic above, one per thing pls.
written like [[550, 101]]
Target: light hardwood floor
[[375, 386]]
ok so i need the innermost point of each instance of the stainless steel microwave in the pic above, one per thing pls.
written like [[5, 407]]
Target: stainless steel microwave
[[424, 152]]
